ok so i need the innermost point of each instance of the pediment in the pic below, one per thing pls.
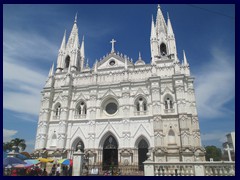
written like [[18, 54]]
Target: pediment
[[112, 61], [109, 92], [58, 98], [80, 97], [140, 92]]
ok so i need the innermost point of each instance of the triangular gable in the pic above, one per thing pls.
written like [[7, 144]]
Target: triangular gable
[[80, 132], [138, 130], [57, 98], [140, 91], [107, 128], [109, 92], [118, 62], [167, 90], [80, 96]]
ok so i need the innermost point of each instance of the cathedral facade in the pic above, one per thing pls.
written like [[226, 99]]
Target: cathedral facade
[[119, 110]]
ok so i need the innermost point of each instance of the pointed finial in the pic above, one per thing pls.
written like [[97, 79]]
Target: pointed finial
[[52, 68], [75, 21], [95, 66], [87, 64], [139, 55], [83, 38], [152, 18], [159, 6], [185, 59], [50, 74], [168, 15]]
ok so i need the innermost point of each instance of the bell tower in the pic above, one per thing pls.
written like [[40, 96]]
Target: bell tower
[[70, 53], [162, 40]]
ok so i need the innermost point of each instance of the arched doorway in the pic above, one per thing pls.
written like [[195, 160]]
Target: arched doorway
[[142, 153], [110, 153]]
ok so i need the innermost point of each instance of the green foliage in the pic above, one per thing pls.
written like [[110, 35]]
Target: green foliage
[[213, 152], [7, 146], [19, 143]]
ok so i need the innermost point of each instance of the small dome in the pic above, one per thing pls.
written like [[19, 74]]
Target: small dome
[[139, 62]]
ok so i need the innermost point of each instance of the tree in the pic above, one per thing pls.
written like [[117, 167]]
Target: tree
[[213, 152], [20, 143], [7, 146]]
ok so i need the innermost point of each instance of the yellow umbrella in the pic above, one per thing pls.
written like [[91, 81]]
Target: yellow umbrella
[[45, 160]]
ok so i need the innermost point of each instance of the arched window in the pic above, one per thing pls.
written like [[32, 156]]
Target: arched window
[[67, 61], [81, 110], [54, 140], [140, 106], [57, 111], [171, 137], [168, 102], [163, 49]]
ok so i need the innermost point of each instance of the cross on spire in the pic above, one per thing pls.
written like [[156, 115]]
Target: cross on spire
[[113, 41]]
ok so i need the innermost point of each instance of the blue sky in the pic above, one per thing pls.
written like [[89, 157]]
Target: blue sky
[[32, 35]]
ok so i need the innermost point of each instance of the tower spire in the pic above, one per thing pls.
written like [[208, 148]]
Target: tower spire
[[73, 34], [169, 27], [161, 26], [63, 45], [153, 29]]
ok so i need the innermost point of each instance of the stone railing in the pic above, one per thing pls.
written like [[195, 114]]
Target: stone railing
[[220, 168], [80, 116], [123, 170], [139, 113]]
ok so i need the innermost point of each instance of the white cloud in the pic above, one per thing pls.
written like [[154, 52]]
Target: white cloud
[[8, 134], [27, 46], [215, 85], [219, 136], [27, 85]]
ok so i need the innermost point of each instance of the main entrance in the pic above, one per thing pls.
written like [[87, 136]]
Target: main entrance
[[110, 153], [142, 153]]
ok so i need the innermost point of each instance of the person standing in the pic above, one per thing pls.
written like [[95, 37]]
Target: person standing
[[58, 171], [53, 171]]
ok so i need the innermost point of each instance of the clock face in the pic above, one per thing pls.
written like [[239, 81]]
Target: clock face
[[112, 63]]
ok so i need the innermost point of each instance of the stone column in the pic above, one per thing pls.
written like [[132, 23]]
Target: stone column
[[148, 166], [77, 162]]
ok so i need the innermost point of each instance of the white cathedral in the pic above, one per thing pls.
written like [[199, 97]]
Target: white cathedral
[[119, 110]]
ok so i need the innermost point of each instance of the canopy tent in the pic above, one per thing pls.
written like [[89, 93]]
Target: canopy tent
[[65, 161], [45, 160], [12, 161], [32, 161], [21, 156], [27, 165]]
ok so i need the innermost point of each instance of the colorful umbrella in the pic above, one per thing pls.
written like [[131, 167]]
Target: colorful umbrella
[[11, 161], [65, 161], [45, 160], [23, 165], [21, 156], [32, 161]]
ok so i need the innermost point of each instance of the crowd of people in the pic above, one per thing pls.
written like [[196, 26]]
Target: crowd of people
[[56, 170]]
